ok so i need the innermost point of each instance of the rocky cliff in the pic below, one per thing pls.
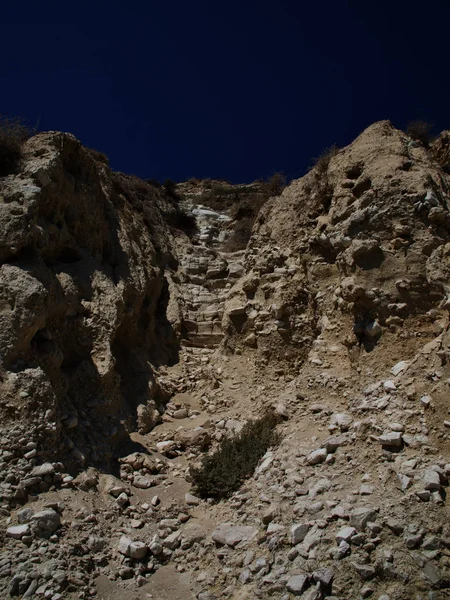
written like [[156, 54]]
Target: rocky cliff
[[139, 331], [85, 294]]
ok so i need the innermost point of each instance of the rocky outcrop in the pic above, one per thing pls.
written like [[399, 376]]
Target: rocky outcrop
[[87, 307], [360, 243], [119, 328]]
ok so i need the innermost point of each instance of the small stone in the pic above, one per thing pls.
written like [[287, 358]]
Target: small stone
[[124, 545], [399, 367], [373, 329], [341, 420], [361, 516], [136, 523], [324, 577], [345, 534], [137, 550], [172, 541], [24, 515], [181, 413], [431, 480], [141, 482], [43, 470], [18, 531], [366, 572], [424, 495], [343, 549], [317, 456], [389, 386], [298, 533], [191, 499], [395, 526], [45, 522], [413, 541], [296, 584], [391, 440], [122, 499], [231, 535], [270, 514], [426, 401]]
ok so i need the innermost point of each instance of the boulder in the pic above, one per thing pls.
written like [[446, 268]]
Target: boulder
[[45, 522]]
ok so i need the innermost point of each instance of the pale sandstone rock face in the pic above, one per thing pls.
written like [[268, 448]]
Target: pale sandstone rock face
[[335, 317], [364, 241], [83, 290]]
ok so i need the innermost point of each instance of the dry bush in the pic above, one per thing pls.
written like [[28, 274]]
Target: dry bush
[[236, 458], [421, 131], [98, 156], [13, 134], [245, 206], [145, 196], [275, 185], [183, 221], [240, 236], [322, 161]]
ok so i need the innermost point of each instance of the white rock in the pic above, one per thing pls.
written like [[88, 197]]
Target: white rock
[[342, 420], [124, 545], [18, 531], [137, 550], [391, 440], [345, 534], [141, 482], [397, 427], [298, 533], [266, 462], [296, 584], [172, 541], [45, 522], [231, 535], [360, 516], [431, 480], [43, 470], [426, 401], [191, 500], [317, 456], [389, 386], [399, 367]]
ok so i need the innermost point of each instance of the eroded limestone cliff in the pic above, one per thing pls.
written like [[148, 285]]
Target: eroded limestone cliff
[[135, 337]]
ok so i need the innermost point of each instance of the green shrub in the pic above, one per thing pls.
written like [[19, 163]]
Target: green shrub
[[421, 131], [13, 134], [235, 459]]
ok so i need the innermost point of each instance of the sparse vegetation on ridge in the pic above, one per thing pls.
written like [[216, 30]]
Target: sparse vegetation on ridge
[[13, 133], [421, 131]]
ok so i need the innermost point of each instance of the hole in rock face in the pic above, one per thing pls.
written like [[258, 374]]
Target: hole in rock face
[[361, 187], [42, 341], [238, 321], [372, 259], [68, 255], [354, 172]]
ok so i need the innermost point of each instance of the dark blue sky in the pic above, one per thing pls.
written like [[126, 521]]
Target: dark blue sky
[[232, 90]]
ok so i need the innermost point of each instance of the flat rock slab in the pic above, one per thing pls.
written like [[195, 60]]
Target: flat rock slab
[[231, 535], [164, 584], [296, 584], [18, 531]]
